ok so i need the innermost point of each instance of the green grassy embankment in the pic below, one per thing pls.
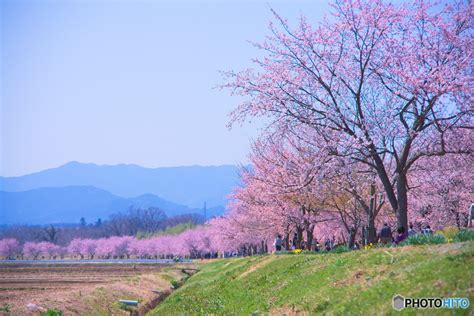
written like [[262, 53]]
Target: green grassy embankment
[[359, 282]]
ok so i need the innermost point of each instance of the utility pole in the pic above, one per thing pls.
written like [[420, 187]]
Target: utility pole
[[205, 215]]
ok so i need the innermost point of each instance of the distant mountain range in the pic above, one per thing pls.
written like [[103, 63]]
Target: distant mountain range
[[88, 190], [190, 186], [69, 204]]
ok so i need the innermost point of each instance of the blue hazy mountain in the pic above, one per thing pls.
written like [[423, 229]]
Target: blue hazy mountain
[[190, 186], [69, 204]]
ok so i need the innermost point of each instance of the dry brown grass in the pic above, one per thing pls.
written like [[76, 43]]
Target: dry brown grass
[[82, 289]]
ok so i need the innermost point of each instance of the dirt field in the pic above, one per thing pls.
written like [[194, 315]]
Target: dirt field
[[82, 289]]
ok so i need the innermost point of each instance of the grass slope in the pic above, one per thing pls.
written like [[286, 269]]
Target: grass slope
[[360, 282]]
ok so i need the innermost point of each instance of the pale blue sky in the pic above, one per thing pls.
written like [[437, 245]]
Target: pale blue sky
[[126, 81]]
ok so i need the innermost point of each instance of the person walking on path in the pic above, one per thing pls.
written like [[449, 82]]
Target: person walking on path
[[471, 215], [401, 235], [385, 234], [295, 241], [327, 244], [411, 231], [427, 230], [277, 243]]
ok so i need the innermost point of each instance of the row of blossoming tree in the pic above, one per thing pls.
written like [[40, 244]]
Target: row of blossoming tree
[[370, 120], [194, 243]]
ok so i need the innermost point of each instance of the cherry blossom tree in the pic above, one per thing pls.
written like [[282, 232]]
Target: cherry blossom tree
[[75, 247], [389, 84], [442, 191], [88, 248], [33, 249], [50, 249], [9, 248]]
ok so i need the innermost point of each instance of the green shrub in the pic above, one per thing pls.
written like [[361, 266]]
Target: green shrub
[[464, 235], [284, 252], [174, 284], [424, 239], [52, 312], [126, 307], [340, 249], [5, 308], [449, 232]]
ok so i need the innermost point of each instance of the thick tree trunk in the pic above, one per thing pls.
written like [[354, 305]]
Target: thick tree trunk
[[465, 222], [402, 197], [287, 241], [352, 236], [309, 236], [458, 220], [299, 236], [384, 179]]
